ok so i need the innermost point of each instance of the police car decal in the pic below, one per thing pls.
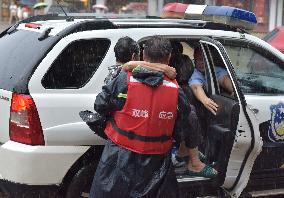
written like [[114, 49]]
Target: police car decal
[[276, 128]]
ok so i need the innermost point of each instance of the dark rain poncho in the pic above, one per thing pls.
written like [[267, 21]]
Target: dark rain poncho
[[123, 173]]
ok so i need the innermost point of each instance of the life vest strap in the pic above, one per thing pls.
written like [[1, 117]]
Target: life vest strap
[[131, 135]]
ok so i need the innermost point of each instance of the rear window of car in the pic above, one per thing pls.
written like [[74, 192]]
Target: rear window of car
[[76, 64], [20, 53]]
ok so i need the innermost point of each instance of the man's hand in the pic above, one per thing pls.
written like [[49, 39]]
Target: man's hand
[[210, 105], [202, 97]]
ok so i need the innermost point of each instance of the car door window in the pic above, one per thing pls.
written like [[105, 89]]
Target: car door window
[[221, 78], [258, 71], [76, 64]]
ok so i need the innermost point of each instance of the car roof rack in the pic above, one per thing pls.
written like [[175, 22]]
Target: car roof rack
[[170, 23], [81, 16], [114, 21]]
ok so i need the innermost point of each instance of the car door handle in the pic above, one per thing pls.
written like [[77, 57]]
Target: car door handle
[[254, 110]]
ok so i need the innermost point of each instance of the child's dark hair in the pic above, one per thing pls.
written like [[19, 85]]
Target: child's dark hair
[[125, 48]]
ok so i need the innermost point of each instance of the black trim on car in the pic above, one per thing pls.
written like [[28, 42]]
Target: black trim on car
[[87, 26]]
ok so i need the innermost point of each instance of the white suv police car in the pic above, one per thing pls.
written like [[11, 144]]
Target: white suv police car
[[52, 67]]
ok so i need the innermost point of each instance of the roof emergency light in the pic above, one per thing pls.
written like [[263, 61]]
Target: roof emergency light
[[174, 10], [231, 16]]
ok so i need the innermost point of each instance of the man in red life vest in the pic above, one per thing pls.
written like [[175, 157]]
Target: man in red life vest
[[146, 112]]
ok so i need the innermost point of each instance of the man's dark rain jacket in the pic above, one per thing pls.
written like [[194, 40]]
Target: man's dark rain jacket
[[123, 173]]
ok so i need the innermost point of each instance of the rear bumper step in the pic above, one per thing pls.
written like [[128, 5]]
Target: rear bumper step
[[190, 179]]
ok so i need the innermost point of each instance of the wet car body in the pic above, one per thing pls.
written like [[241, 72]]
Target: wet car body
[[64, 162]]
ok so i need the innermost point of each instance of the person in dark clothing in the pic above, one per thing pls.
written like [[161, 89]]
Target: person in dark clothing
[[189, 153], [136, 161]]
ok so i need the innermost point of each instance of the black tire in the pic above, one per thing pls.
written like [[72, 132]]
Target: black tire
[[80, 184]]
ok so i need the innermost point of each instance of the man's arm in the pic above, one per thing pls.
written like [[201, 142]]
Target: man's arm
[[224, 79], [201, 96], [226, 84], [166, 69]]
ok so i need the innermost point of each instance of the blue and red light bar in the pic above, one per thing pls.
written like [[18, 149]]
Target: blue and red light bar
[[231, 16]]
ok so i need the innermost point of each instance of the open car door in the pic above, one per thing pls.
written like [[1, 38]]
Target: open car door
[[233, 138]]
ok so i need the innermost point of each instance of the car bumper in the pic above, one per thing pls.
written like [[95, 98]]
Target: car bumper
[[37, 165]]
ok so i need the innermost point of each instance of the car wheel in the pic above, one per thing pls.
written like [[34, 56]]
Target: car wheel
[[81, 183]]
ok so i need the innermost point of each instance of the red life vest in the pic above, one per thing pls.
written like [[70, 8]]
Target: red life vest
[[145, 123]]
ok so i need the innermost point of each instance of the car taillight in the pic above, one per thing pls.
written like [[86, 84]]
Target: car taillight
[[25, 126]]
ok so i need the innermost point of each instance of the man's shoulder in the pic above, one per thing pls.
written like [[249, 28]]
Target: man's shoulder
[[197, 78], [196, 74]]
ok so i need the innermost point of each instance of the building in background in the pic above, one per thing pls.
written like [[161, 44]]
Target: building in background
[[74, 5], [127, 6], [155, 6], [269, 12], [275, 14], [5, 10], [5, 4], [139, 8]]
